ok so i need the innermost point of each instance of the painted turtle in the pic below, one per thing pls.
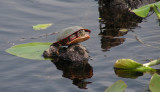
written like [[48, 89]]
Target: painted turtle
[[72, 35], [69, 37]]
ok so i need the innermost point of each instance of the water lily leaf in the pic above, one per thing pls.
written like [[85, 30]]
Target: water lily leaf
[[154, 84], [158, 4], [126, 64], [41, 26], [142, 11], [29, 50], [118, 86]]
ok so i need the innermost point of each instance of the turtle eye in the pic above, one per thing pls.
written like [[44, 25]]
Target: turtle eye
[[81, 33], [72, 37]]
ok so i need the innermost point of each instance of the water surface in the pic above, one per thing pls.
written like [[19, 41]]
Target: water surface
[[23, 75]]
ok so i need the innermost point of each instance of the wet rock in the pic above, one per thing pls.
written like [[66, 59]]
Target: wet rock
[[71, 53]]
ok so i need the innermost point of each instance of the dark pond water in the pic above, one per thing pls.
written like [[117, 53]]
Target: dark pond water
[[23, 75]]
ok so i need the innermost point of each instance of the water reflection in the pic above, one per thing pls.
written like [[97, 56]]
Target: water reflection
[[115, 15], [76, 71], [132, 74], [113, 19], [128, 73]]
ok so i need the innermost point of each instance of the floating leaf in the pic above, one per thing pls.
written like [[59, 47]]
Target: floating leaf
[[41, 26], [154, 84], [126, 64], [142, 11], [132, 65], [118, 86], [29, 50], [123, 30], [158, 4]]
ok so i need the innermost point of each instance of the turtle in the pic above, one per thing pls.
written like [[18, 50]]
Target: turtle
[[72, 35], [67, 47]]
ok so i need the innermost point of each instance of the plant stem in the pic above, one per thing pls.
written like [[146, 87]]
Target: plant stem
[[152, 63], [156, 11]]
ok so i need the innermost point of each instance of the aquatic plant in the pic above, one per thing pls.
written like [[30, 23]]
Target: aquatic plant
[[29, 50], [41, 26], [132, 65], [32, 50], [120, 85], [144, 10]]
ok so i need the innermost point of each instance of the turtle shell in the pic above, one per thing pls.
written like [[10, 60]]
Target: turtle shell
[[70, 35]]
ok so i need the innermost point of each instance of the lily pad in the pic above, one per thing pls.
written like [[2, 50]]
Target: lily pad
[[118, 86], [29, 50], [142, 11], [154, 84], [41, 26], [126, 64], [158, 4]]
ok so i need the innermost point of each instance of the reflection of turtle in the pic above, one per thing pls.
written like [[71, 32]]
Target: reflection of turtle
[[69, 37]]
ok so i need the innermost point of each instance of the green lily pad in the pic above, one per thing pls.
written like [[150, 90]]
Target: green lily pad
[[29, 50], [158, 4], [41, 26], [154, 84], [118, 86], [142, 11], [126, 64]]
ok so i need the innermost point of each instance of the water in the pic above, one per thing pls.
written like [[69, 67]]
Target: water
[[18, 74]]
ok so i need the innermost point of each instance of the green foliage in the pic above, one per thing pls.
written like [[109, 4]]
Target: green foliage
[[154, 84], [133, 66], [144, 10], [152, 63], [29, 50], [41, 26], [118, 86], [158, 4], [126, 64], [144, 69]]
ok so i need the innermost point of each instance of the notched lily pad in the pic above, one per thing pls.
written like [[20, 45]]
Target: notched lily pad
[[41, 26], [29, 50], [118, 86]]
